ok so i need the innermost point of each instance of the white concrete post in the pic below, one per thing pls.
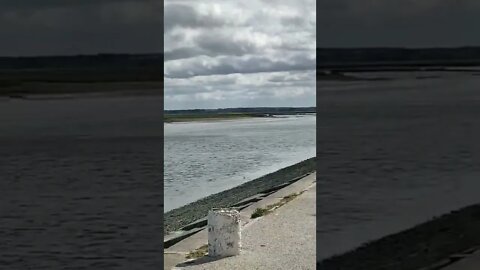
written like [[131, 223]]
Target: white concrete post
[[224, 235]]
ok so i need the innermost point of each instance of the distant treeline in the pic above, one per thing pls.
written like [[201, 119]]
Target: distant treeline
[[83, 61], [15, 71], [435, 56], [255, 110], [325, 57]]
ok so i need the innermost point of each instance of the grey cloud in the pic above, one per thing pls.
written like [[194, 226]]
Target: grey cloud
[[407, 23], [244, 92], [80, 27], [182, 15], [229, 57], [224, 45], [239, 65], [186, 90], [181, 53], [297, 21], [293, 77], [16, 4], [212, 44]]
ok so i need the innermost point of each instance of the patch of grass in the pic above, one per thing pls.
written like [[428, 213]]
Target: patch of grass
[[290, 197], [179, 217], [269, 208], [259, 212], [198, 253]]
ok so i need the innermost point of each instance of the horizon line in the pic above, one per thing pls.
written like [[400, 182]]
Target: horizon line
[[227, 108]]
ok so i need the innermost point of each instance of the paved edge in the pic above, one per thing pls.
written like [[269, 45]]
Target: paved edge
[[177, 218], [427, 246], [176, 253]]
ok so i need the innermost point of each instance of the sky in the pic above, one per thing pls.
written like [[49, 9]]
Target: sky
[[224, 53], [69, 27], [398, 23], [250, 53]]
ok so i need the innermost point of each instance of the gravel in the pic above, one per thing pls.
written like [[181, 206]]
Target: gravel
[[177, 218]]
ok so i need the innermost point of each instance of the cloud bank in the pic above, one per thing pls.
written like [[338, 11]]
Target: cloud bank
[[398, 23], [56, 27], [239, 53]]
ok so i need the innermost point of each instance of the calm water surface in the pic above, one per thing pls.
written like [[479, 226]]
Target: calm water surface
[[393, 154], [208, 157], [80, 183]]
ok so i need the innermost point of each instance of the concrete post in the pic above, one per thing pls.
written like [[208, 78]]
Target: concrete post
[[224, 235]]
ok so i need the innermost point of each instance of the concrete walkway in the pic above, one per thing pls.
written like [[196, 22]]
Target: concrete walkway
[[284, 239], [471, 262]]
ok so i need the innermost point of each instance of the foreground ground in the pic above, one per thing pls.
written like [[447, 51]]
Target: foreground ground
[[470, 261], [424, 245], [284, 238], [184, 215]]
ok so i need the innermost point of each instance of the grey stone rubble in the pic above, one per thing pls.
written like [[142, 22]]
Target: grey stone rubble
[[179, 217], [198, 225], [176, 254], [284, 239]]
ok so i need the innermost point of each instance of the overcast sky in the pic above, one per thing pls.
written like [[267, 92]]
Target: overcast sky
[[247, 53], [59, 27], [398, 23], [222, 53]]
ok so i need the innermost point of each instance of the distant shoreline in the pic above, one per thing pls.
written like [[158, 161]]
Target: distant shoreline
[[72, 90], [225, 114], [208, 118], [93, 95], [221, 117], [226, 118]]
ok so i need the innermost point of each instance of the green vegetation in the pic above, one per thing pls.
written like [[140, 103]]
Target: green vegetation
[[259, 212], [269, 208], [179, 217], [80, 74], [198, 253], [19, 83]]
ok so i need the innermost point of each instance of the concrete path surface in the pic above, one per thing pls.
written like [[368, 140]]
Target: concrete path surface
[[471, 262], [283, 239]]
